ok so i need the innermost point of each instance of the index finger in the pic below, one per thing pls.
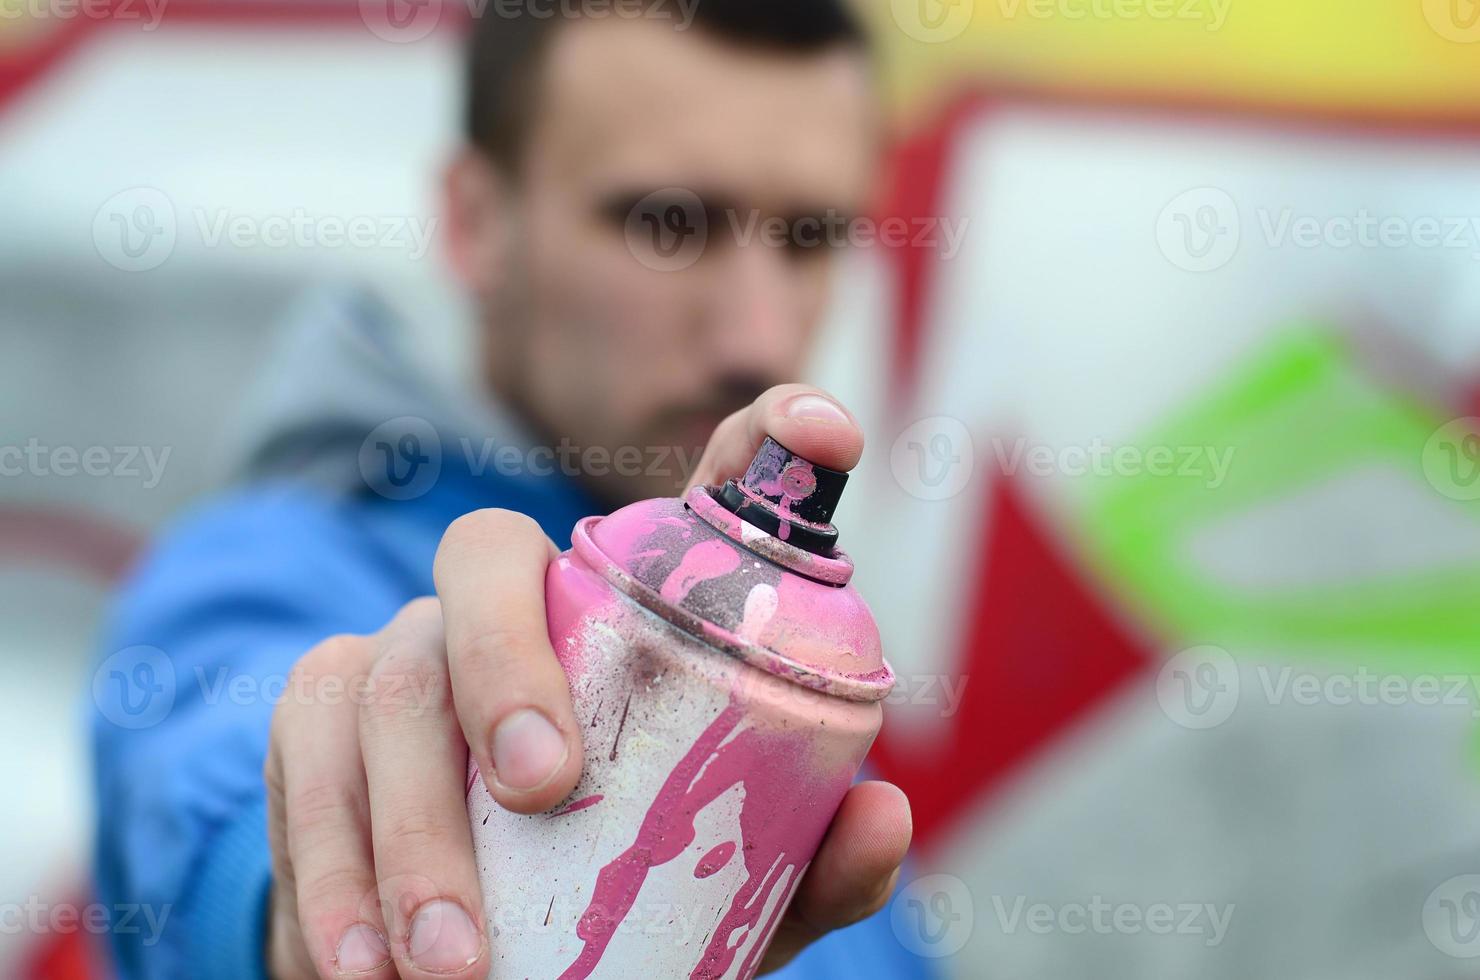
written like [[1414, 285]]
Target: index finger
[[511, 695], [806, 420]]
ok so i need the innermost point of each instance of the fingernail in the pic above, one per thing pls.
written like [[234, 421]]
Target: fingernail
[[443, 938], [527, 750], [816, 408], [361, 949]]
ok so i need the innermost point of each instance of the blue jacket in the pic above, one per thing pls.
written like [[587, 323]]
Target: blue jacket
[[205, 632]]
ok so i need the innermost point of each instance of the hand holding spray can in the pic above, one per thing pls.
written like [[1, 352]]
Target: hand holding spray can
[[728, 680]]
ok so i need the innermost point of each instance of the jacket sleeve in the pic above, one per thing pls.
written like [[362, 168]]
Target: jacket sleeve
[[196, 657]]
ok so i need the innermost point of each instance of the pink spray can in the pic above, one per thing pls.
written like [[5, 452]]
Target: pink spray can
[[728, 682]]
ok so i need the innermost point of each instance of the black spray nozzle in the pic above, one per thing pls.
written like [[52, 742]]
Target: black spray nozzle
[[788, 497]]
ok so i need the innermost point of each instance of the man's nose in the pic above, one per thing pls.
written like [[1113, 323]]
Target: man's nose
[[757, 320]]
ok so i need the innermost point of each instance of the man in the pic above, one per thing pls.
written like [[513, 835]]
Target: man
[[333, 640]]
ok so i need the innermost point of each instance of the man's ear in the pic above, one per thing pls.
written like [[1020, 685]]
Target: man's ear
[[477, 221]]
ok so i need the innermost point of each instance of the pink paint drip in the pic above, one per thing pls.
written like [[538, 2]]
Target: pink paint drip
[[581, 804], [772, 822], [706, 560], [834, 569], [791, 485], [760, 609], [715, 860]]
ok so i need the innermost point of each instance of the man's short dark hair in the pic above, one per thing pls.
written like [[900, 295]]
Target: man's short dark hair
[[509, 42]]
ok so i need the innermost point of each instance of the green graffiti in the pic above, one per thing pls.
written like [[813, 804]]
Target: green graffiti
[[1299, 414]]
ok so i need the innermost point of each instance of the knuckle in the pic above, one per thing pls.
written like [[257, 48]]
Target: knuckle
[[425, 608], [322, 805], [417, 831], [495, 649], [340, 654], [400, 684], [336, 888], [510, 523]]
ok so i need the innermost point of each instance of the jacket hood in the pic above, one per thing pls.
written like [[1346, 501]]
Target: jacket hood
[[343, 365]]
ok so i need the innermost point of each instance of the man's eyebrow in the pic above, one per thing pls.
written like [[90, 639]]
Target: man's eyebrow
[[619, 202], [824, 214], [820, 225]]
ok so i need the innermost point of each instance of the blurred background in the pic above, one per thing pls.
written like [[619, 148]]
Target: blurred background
[[1171, 516]]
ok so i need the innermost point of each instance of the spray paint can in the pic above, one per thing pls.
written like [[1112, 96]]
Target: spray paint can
[[728, 681]]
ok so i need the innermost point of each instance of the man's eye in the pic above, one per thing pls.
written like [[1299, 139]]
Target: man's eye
[[811, 237], [673, 213], [672, 225], [616, 212]]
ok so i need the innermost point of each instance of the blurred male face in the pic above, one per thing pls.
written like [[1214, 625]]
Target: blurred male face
[[611, 318]]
